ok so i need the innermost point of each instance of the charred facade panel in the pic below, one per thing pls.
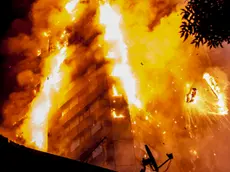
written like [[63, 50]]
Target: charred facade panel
[[80, 123]]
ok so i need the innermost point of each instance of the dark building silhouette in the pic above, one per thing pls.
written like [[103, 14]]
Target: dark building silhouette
[[17, 157]]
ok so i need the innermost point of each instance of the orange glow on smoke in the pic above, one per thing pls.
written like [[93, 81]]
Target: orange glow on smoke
[[154, 66], [159, 61]]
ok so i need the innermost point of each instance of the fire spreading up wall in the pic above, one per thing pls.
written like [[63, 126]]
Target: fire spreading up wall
[[71, 102], [95, 69]]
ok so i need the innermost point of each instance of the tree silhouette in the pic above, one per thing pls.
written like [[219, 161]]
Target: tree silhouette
[[207, 21]]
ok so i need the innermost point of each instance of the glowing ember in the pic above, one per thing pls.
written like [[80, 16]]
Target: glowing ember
[[117, 116], [45, 34], [39, 52], [194, 152]]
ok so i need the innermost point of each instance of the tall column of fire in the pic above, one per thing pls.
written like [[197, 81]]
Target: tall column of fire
[[118, 52], [35, 127]]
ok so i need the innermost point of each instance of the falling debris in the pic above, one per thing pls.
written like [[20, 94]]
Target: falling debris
[[176, 99]]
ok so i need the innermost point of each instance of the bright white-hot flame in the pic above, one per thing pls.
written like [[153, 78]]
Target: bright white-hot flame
[[117, 116], [45, 34], [37, 121], [216, 90], [38, 52], [70, 6], [111, 20], [35, 127], [222, 105], [196, 99], [123, 71], [115, 92], [212, 84]]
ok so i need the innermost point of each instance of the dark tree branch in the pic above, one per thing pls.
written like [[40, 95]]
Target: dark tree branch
[[207, 21]]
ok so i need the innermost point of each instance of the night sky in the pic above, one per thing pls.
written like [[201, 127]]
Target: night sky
[[10, 10]]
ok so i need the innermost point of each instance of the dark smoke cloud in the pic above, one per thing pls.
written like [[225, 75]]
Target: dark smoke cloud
[[162, 8]]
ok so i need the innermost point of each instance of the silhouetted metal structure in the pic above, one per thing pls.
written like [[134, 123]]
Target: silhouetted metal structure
[[152, 162]]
